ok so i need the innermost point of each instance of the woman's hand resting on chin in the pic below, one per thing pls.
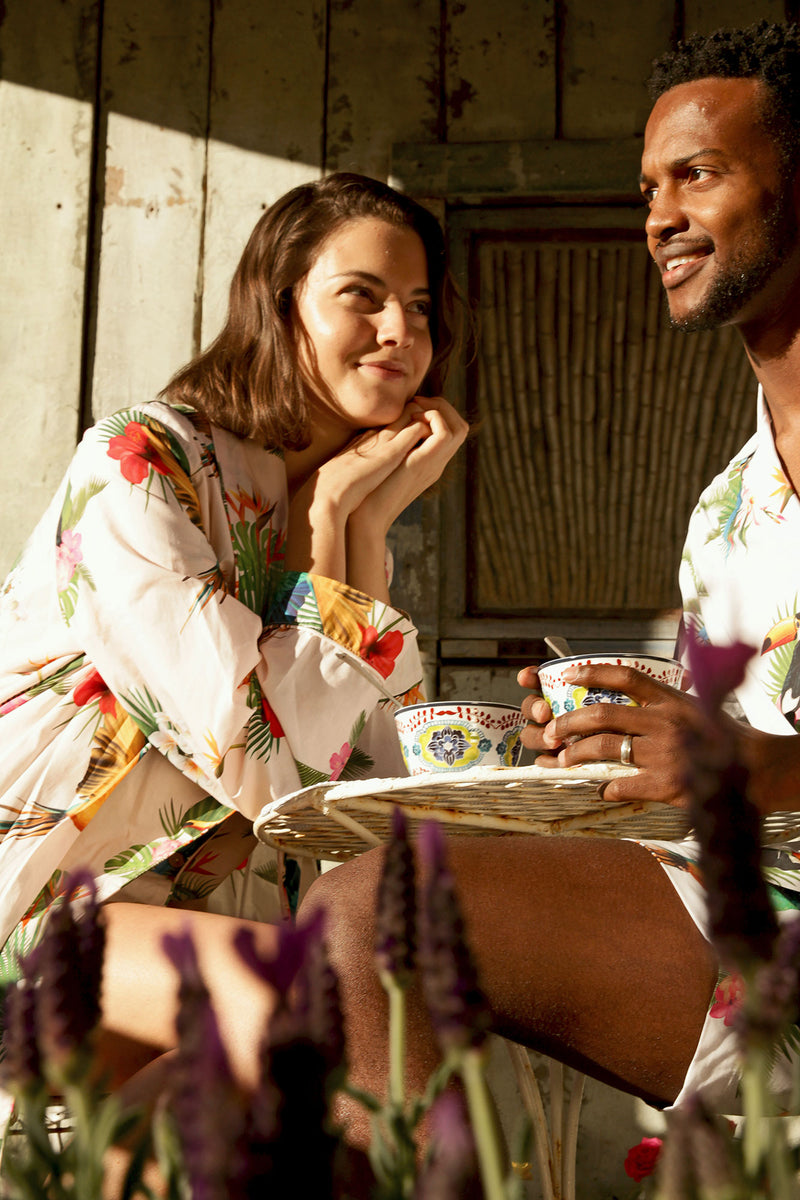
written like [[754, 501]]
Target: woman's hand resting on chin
[[339, 518]]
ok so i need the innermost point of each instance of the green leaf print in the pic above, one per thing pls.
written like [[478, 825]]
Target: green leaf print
[[22, 940], [309, 775], [60, 681], [144, 709], [131, 863], [254, 546], [359, 762], [726, 504], [259, 738], [268, 872], [203, 814], [358, 765], [290, 599], [788, 1044], [68, 598], [358, 727], [73, 508]]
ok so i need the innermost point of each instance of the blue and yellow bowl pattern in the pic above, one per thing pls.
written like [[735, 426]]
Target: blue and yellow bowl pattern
[[458, 736], [564, 696]]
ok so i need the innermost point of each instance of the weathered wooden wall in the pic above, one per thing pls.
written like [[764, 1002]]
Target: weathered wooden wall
[[140, 142]]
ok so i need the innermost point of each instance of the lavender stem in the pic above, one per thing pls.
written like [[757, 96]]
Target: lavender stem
[[484, 1128]]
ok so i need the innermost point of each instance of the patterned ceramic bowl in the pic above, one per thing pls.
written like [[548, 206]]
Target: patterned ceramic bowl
[[457, 735], [564, 697]]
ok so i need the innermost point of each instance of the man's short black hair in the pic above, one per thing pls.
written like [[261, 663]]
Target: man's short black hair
[[763, 51]]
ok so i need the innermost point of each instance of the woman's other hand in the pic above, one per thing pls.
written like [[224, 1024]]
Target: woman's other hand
[[339, 518], [440, 431]]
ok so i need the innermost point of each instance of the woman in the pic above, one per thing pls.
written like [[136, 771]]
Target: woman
[[201, 620]]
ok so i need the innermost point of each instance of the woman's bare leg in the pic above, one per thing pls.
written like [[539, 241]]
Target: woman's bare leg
[[140, 986], [584, 950], [140, 1001]]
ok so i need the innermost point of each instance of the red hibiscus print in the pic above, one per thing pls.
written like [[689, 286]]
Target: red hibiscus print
[[380, 652], [94, 688], [136, 453], [727, 999], [269, 718], [642, 1159]]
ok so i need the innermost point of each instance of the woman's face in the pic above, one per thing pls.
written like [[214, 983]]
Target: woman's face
[[365, 308]]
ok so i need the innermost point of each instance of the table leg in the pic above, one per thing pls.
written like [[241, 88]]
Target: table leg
[[556, 1142]]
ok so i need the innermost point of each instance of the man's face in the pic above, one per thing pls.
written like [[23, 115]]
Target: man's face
[[722, 225]]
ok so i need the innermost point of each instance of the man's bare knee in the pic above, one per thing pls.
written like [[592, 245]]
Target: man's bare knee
[[347, 894]]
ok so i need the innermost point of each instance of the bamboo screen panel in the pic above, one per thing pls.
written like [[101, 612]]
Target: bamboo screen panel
[[598, 426]]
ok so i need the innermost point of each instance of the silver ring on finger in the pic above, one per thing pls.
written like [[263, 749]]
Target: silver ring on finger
[[626, 750]]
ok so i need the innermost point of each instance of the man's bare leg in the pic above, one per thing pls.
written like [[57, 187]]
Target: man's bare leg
[[584, 949]]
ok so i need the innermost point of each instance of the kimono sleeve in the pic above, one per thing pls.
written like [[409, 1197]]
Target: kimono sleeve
[[335, 666], [146, 594]]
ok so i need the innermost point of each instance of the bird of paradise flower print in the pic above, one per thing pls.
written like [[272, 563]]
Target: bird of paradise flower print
[[264, 730]]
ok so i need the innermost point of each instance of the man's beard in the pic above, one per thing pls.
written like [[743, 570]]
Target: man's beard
[[747, 272]]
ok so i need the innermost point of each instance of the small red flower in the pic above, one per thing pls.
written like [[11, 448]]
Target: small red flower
[[269, 718], [380, 652], [727, 999], [642, 1159], [94, 688], [136, 453]]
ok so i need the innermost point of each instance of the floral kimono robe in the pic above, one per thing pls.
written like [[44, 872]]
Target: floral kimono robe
[[162, 676]]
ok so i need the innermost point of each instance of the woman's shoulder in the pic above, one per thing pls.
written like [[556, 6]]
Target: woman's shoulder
[[141, 428]]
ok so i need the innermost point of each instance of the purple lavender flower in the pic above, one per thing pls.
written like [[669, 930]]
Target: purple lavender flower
[[293, 941], [453, 1163], [456, 1004], [741, 919], [728, 827], [22, 1064], [288, 1145], [395, 922], [69, 963], [775, 1000], [318, 1007], [207, 1106], [715, 670]]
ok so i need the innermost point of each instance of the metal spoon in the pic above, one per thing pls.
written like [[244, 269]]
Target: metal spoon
[[559, 645]]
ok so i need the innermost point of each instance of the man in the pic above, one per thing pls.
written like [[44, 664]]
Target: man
[[605, 964]]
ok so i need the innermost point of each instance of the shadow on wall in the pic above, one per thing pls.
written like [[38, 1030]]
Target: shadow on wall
[[195, 67]]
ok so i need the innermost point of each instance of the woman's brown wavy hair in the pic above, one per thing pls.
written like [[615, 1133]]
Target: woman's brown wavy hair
[[250, 380]]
